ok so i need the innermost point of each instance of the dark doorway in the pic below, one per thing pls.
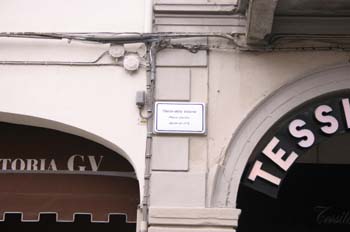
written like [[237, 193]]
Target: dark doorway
[[312, 198], [82, 223]]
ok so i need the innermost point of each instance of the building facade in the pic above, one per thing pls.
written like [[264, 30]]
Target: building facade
[[85, 99], [271, 82]]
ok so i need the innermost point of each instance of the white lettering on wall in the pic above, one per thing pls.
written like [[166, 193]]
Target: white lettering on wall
[[4, 163], [32, 164], [52, 165], [346, 108], [322, 120], [94, 165], [277, 157], [72, 161], [42, 164], [296, 131], [258, 172], [18, 164], [319, 115]]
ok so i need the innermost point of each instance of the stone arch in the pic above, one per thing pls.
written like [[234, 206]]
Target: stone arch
[[262, 118], [59, 126]]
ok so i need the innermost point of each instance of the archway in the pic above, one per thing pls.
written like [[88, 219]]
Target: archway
[[313, 198], [262, 118], [296, 178], [52, 180]]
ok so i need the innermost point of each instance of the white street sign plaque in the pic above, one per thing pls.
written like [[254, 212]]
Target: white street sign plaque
[[179, 118]]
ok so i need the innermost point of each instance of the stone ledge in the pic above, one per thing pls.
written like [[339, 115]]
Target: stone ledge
[[182, 6], [223, 217], [198, 8]]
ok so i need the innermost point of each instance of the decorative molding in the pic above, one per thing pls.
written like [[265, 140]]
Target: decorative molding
[[198, 16], [196, 6], [208, 8], [199, 23], [218, 217]]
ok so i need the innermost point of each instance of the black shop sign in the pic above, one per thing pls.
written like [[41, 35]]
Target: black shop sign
[[292, 136]]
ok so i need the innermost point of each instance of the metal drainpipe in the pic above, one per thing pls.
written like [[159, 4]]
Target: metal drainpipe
[[151, 75], [151, 67]]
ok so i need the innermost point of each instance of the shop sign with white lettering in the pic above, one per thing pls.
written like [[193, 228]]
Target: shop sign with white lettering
[[29, 150], [179, 118], [44, 170], [292, 136]]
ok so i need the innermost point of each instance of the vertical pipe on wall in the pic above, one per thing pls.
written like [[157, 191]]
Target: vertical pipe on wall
[[148, 25], [151, 74]]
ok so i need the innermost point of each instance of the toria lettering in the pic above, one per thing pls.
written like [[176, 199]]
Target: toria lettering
[[73, 163]]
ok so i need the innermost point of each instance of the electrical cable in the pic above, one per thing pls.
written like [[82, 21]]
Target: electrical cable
[[118, 38], [63, 63]]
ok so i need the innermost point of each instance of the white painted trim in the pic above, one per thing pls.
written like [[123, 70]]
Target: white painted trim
[[262, 118]]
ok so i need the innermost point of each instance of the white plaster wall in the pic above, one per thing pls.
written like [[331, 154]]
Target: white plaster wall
[[72, 15], [50, 50]]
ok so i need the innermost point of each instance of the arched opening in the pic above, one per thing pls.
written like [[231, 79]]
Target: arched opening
[[299, 181], [314, 196], [52, 181]]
